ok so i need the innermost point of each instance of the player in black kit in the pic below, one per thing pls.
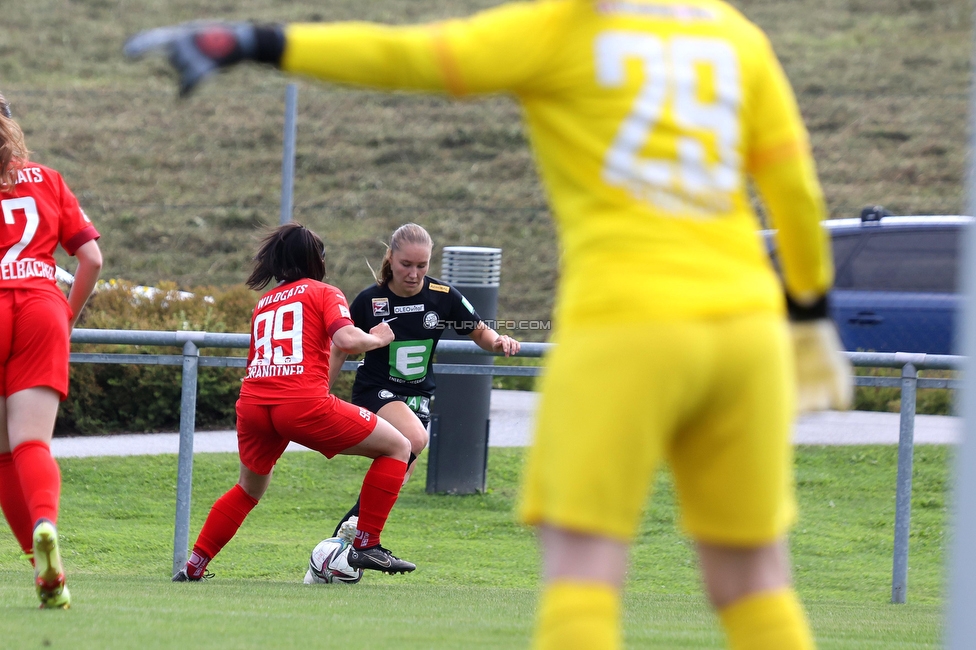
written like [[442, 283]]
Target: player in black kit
[[395, 382]]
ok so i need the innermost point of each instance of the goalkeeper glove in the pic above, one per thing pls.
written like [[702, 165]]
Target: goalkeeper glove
[[823, 372], [198, 49]]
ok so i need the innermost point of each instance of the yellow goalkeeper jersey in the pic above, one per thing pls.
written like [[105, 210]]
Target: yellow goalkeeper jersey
[[646, 119]]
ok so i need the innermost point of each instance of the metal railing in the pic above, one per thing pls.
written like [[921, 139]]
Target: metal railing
[[191, 342], [909, 383]]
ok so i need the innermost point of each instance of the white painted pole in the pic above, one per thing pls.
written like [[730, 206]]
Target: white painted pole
[[961, 626]]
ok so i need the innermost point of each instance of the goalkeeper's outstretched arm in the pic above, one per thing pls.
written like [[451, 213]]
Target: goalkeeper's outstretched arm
[[355, 53], [502, 49], [792, 196]]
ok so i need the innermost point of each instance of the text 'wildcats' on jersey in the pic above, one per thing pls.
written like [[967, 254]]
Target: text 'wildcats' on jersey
[[39, 213], [417, 323], [291, 335]]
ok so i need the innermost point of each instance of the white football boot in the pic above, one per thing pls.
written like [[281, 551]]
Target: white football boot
[[347, 531]]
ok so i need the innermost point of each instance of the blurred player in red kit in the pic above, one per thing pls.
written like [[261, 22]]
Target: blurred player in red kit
[[285, 397], [39, 212]]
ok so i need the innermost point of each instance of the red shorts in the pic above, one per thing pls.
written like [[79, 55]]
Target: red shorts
[[34, 340], [326, 424]]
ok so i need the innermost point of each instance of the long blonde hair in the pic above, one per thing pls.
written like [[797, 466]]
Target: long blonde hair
[[13, 151], [408, 233]]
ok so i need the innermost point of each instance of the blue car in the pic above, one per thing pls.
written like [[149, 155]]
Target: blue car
[[896, 281]]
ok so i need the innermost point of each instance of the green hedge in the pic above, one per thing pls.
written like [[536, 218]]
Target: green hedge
[[109, 398], [116, 398], [929, 401]]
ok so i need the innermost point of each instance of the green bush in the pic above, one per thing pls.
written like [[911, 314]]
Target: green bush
[[931, 401], [108, 398]]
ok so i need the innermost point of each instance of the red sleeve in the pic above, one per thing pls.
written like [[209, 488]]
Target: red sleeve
[[335, 311], [76, 228]]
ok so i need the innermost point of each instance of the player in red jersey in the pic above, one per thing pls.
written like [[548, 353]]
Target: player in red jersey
[[285, 397], [39, 212]]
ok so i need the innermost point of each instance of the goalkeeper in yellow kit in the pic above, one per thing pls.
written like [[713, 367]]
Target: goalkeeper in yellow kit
[[645, 117]]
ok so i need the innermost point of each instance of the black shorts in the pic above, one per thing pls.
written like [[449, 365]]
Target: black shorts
[[375, 397]]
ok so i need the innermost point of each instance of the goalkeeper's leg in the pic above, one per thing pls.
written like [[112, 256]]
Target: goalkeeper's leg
[[580, 605], [733, 473], [752, 592]]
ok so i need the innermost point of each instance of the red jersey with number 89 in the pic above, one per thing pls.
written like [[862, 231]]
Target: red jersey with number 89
[[291, 335], [38, 213]]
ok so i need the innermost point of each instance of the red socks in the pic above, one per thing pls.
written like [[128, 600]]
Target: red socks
[[40, 480], [381, 487], [197, 564], [225, 518], [14, 505]]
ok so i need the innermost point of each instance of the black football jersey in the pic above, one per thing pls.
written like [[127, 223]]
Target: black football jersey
[[418, 323]]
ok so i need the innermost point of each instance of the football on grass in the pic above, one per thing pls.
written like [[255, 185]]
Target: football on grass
[[329, 563]]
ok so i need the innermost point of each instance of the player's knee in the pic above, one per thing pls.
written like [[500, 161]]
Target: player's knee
[[394, 443], [255, 485], [732, 573], [401, 448], [417, 436]]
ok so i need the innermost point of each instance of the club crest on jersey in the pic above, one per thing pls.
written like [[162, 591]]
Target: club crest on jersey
[[381, 306], [430, 320], [385, 394]]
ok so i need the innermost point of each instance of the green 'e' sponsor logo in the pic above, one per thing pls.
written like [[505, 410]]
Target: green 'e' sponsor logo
[[408, 359]]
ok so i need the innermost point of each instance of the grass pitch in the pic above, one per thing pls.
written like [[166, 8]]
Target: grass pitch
[[476, 584]]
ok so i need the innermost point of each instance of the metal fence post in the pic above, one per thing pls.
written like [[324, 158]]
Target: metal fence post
[[288, 153], [184, 475], [903, 492]]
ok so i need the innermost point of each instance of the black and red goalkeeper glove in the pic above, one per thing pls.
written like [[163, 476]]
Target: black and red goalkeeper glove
[[198, 49]]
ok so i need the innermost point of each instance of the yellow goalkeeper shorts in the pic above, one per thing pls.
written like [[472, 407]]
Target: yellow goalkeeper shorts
[[715, 398]]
